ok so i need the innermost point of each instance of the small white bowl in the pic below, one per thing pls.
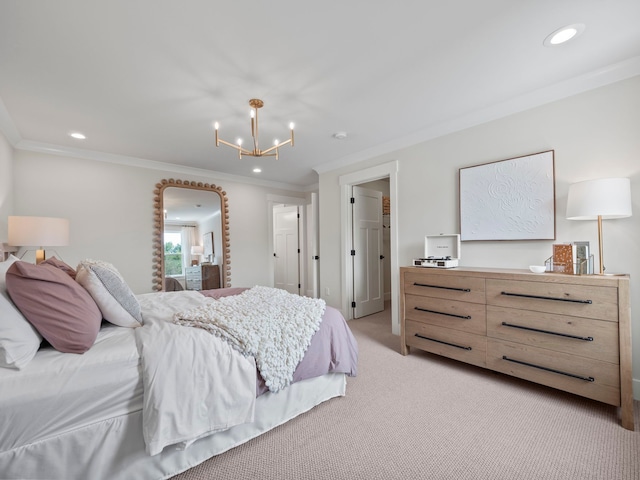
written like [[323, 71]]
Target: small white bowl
[[537, 268]]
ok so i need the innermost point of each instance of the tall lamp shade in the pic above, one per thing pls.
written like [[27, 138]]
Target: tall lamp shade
[[38, 232], [599, 199]]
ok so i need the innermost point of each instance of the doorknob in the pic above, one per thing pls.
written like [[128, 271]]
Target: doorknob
[[381, 257], [316, 257]]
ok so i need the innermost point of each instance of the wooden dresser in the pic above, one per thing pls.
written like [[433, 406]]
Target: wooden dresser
[[202, 277], [570, 332]]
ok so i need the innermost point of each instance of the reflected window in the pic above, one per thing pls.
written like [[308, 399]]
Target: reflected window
[[173, 251]]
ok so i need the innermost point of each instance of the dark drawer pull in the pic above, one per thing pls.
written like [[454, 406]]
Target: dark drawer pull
[[546, 298], [579, 377], [440, 286], [586, 339], [440, 341], [464, 317]]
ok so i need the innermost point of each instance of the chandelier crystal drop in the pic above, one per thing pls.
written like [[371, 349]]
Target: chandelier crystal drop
[[255, 104]]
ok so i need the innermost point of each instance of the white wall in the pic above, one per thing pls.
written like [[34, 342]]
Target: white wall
[[110, 208], [594, 135], [6, 185]]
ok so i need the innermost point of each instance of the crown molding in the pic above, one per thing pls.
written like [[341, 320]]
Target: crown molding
[[7, 127], [40, 147], [567, 88]]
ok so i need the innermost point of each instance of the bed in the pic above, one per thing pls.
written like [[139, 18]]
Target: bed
[[132, 405]]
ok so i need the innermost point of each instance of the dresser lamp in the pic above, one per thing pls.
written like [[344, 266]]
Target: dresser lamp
[[197, 251], [38, 232], [599, 199]]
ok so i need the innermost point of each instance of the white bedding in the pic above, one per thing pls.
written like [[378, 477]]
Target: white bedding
[[194, 382], [61, 392], [68, 416]]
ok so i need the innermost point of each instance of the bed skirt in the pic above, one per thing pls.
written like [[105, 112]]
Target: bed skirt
[[114, 448]]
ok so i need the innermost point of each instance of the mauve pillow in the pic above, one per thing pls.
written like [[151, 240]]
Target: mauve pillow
[[54, 262], [60, 309]]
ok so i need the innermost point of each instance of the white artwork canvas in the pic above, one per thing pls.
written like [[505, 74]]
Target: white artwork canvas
[[509, 200]]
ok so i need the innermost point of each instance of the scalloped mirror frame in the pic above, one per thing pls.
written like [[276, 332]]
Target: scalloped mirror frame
[[158, 225]]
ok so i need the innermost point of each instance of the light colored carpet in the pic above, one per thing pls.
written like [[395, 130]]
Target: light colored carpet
[[427, 417]]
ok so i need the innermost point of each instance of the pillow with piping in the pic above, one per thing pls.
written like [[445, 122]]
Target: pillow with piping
[[111, 293]]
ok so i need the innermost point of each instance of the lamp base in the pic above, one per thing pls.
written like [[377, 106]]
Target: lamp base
[[39, 256]]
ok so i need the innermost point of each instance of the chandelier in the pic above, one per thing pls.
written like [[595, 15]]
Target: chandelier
[[255, 104]]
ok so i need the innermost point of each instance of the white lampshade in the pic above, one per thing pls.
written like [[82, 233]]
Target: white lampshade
[[599, 199], [197, 250], [38, 231], [605, 197]]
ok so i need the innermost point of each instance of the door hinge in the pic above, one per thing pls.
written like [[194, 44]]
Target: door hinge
[[353, 304], [298, 215], [353, 200], [353, 252], [298, 250], [299, 286]]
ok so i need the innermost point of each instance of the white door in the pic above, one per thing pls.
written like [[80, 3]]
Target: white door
[[286, 246], [366, 253]]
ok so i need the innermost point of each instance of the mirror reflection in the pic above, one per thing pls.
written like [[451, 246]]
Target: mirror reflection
[[191, 247]]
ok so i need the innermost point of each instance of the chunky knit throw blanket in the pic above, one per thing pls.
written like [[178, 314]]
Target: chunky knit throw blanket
[[272, 325]]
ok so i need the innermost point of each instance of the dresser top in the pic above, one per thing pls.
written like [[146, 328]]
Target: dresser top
[[523, 274]]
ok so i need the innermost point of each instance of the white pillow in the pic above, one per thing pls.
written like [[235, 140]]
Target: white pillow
[[19, 341], [114, 298]]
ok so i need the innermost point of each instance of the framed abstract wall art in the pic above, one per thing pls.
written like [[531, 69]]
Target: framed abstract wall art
[[510, 199]]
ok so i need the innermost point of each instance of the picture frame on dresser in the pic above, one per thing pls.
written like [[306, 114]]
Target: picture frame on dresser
[[511, 199], [207, 243]]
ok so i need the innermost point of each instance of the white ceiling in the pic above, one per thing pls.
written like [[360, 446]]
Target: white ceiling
[[146, 79]]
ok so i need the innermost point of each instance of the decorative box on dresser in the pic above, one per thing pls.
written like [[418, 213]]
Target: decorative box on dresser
[[202, 277], [570, 332]]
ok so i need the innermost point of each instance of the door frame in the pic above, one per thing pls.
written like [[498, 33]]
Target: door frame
[[386, 170]]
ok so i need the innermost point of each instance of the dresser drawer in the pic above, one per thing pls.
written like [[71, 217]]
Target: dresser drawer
[[462, 346], [582, 376], [585, 337], [466, 289], [465, 316], [565, 299]]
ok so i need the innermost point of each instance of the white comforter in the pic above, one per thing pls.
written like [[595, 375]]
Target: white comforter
[[194, 383]]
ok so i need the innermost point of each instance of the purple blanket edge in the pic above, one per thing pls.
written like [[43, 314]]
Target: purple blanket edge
[[333, 348]]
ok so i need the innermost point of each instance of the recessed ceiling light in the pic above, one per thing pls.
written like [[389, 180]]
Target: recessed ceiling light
[[340, 135], [77, 135], [563, 34], [257, 170]]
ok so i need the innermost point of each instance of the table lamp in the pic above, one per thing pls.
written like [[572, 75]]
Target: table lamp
[[38, 232], [197, 251], [599, 199]]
